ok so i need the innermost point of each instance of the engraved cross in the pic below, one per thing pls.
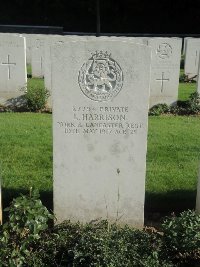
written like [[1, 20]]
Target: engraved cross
[[8, 64], [162, 81]]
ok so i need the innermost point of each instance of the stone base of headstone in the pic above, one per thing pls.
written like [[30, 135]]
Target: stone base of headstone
[[11, 100], [155, 100]]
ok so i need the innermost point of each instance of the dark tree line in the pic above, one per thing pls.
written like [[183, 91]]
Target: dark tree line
[[125, 16]]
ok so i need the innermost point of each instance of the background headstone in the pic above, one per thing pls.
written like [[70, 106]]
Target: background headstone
[[13, 75], [37, 55], [28, 48], [198, 78], [184, 45], [192, 57], [165, 69], [100, 114]]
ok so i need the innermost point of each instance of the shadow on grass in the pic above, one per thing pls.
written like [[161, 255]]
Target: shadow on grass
[[172, 201]]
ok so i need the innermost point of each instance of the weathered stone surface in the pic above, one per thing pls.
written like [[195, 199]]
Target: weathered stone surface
[[165, 69], [100, 114], [38, 55], [13, 75], [28, 47], [56, 39], [192, 57], [198, 78]]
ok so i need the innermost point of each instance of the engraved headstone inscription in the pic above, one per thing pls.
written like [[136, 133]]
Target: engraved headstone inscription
[[100, 113], [53, 39], [37, 55], [192, 57], [165, 68], [13, 75]]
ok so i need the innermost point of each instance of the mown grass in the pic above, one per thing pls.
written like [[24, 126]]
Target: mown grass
[[29, 69], [172, 159], [185, 90], [35, 82], [25, 153], [172, 162]]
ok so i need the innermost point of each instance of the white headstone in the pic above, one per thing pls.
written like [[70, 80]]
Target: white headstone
[[185, 44], [37, 55], [56, 39], [28, 47], [13, 75], [100, 114], [49, 41], [165, 69], [198, 77], [192, 57]]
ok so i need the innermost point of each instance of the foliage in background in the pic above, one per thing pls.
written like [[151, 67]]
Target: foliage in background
[[33, 98], [188, 107], [185, 90], [36, 97], [159, 109]]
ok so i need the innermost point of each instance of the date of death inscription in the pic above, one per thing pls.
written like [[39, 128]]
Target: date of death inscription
[[101, 120]]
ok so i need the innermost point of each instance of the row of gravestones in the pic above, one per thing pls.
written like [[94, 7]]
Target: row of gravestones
[[100, 90], [165, 63]]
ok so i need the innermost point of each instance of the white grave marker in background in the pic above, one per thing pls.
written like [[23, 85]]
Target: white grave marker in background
[[38, 55], [165, 69], [13, 75], [100, 114], [192, 57], [198, 78], [28, 47]]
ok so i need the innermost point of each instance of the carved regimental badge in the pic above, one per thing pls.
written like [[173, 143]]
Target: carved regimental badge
[[100, 78], [164, 51]]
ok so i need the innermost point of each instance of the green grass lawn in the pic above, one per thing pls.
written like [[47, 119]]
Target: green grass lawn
[[35, 82], [25, 153], [172, 160], [29, 69], [185, 90]]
